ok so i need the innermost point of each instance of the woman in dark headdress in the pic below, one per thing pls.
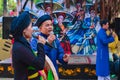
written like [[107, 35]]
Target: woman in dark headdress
[[60, 30], [23, 57]]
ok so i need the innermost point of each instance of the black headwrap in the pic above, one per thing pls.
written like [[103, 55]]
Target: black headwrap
[[42, 19], [19, 24]]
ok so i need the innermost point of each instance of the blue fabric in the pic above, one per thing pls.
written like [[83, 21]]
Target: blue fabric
[[102, 60], [78, 35], [88, 21], [19, 24], [53, 53]]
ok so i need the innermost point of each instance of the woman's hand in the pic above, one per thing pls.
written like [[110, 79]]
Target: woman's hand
[[41, 39]]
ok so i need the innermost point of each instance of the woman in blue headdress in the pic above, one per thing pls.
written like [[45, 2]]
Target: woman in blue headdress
[[23, 57]]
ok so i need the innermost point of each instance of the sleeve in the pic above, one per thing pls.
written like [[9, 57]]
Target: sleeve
[[60, 52], [33, 44], [26, 56], [113, 45], [87, 22], [104, 38], [56, 29], [116, 38], [68, 47], [74, 20]]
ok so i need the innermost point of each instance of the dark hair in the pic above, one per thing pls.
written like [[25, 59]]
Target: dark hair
[[103, 22], [19, 24], [46, 5], [61, 14]]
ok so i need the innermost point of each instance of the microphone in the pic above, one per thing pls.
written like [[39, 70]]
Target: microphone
[[54, 43], [36, 34]]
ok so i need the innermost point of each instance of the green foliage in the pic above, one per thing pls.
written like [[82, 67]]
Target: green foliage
[[38, 1], [1, 7], [11, 5]]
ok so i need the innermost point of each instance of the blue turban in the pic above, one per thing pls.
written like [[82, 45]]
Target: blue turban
[[19, 24], [42, 19]]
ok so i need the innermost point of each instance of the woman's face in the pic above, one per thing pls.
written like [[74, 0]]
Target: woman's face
[[78, 6], [60, 19], [48, 10], [92, 13], [27, 33]]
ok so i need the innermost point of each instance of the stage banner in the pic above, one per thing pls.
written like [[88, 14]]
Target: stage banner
[[79, 67]]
